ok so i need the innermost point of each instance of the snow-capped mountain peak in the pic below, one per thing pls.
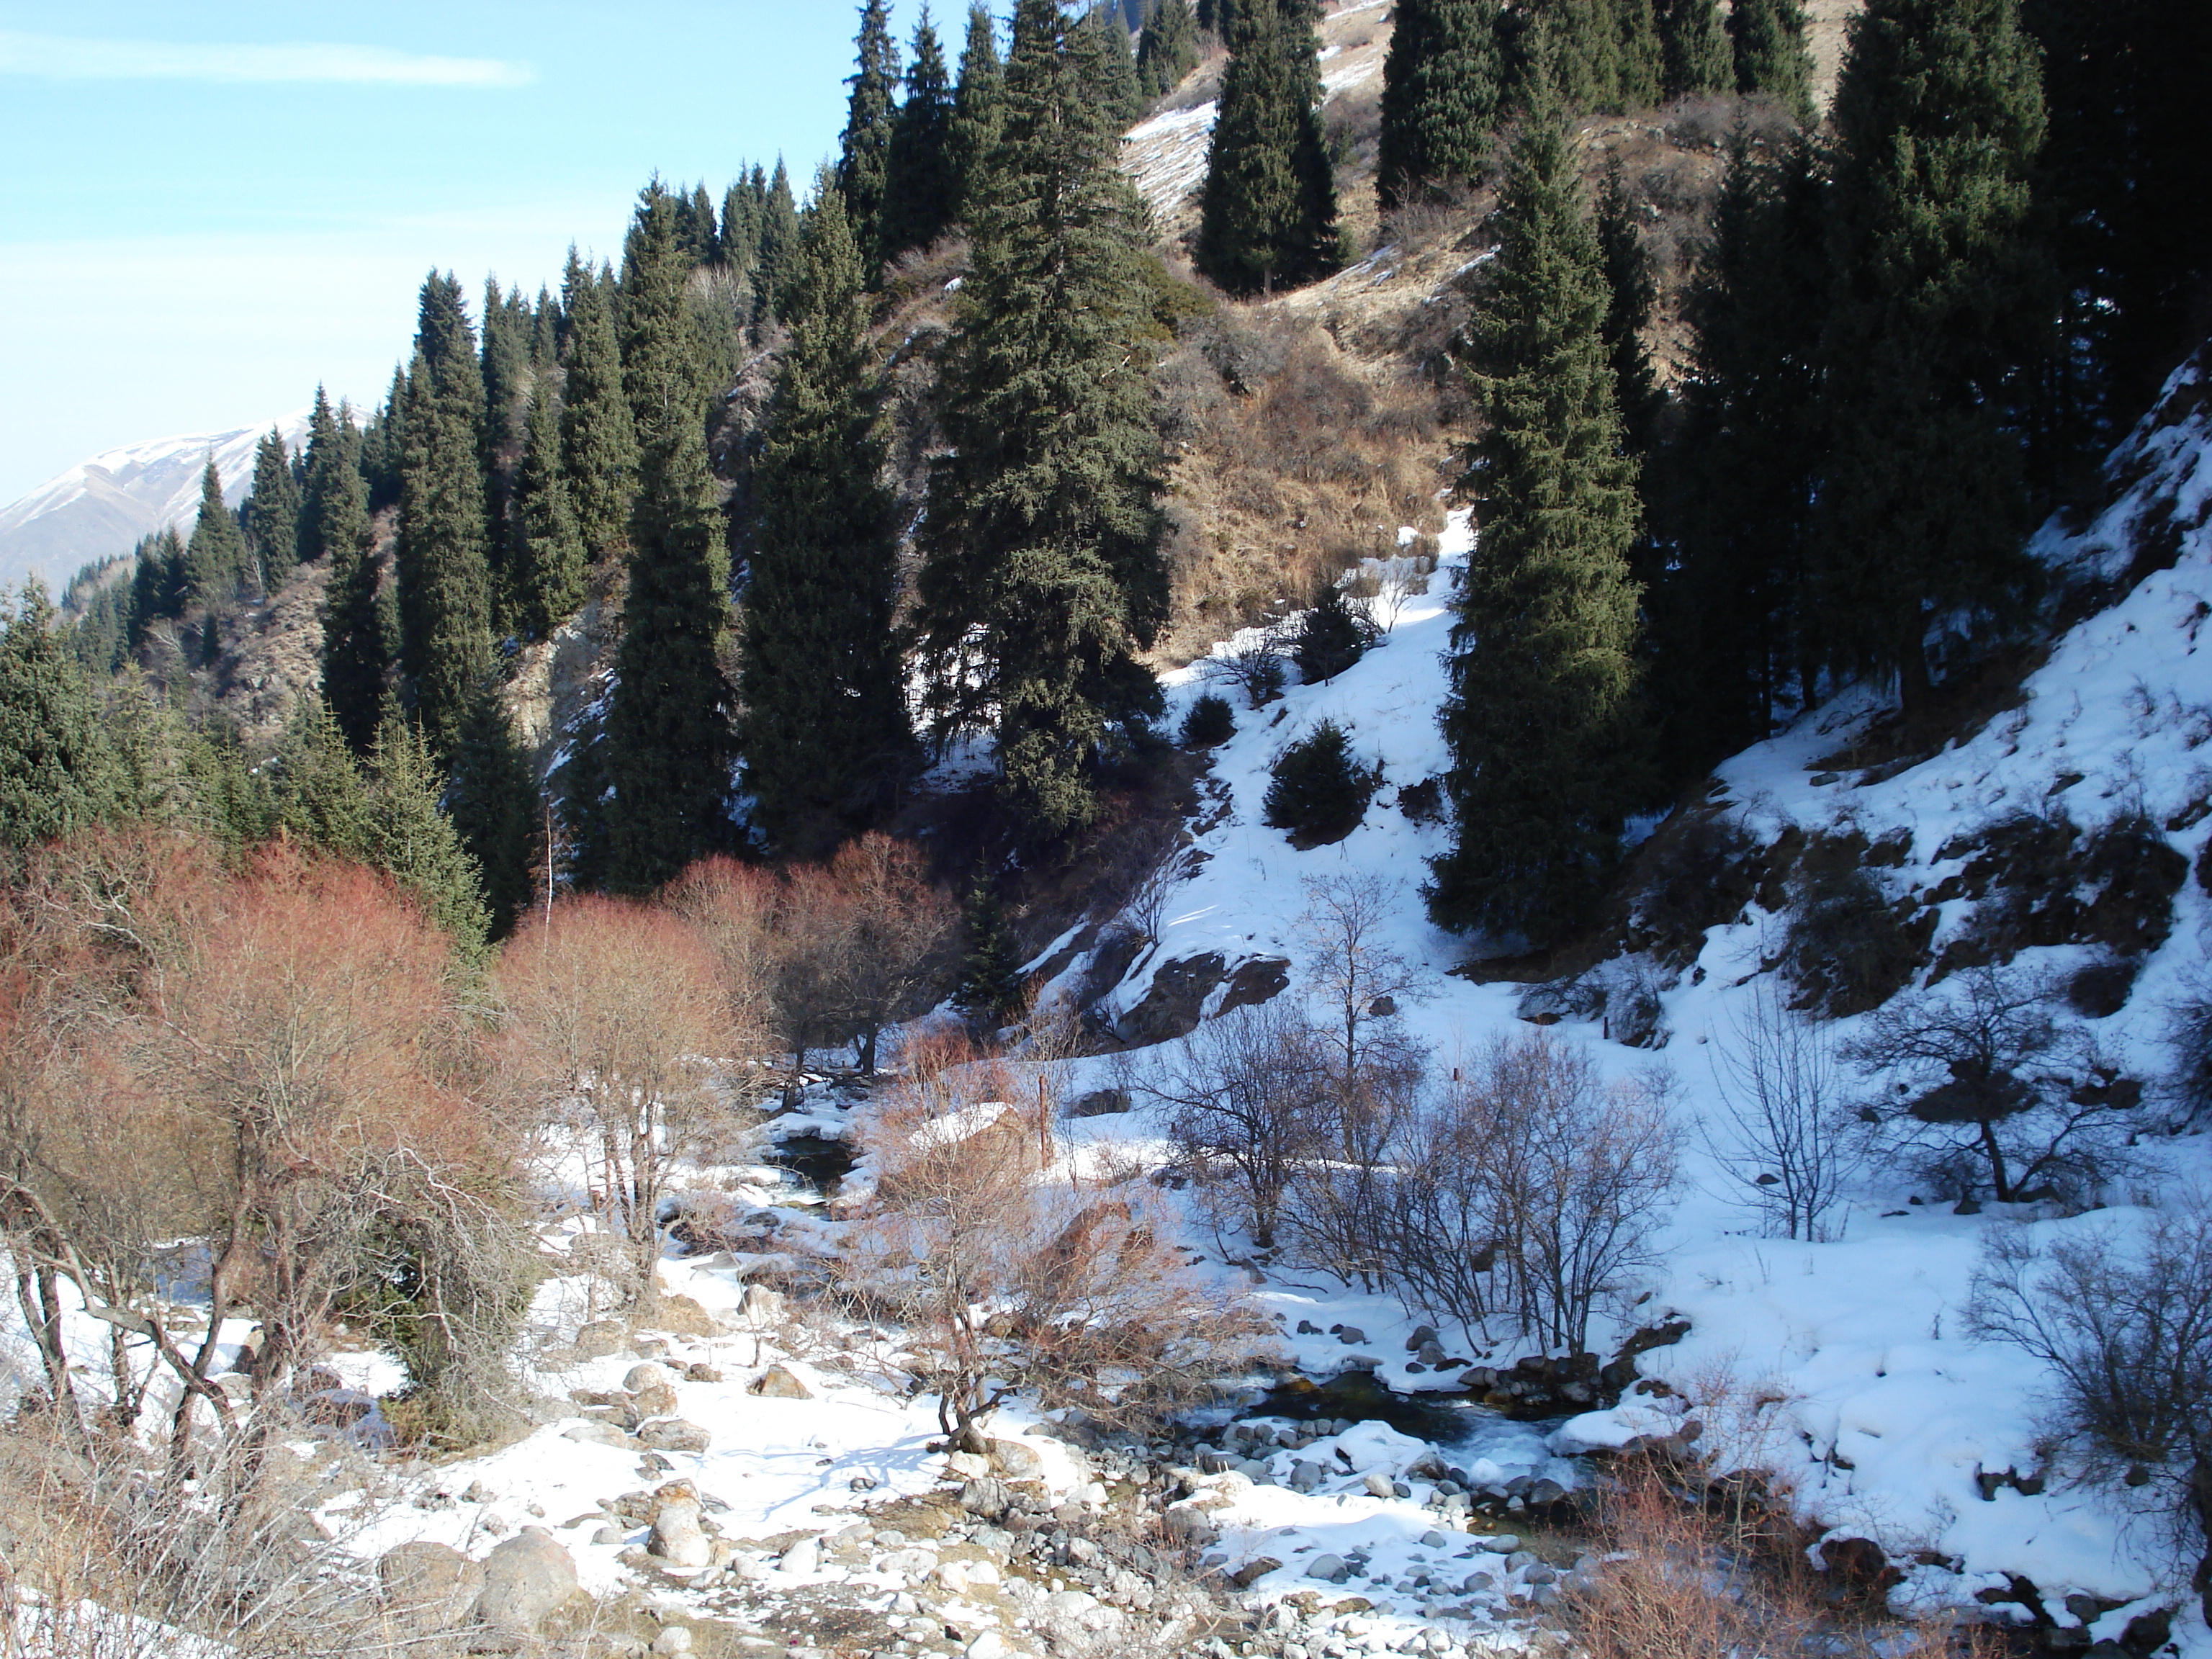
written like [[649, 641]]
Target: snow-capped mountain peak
[[100, 508]]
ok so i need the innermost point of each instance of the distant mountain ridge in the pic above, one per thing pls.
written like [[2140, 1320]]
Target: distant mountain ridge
[[99, 508]]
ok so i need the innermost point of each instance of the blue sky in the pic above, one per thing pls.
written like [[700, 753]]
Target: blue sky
[[206, 210]]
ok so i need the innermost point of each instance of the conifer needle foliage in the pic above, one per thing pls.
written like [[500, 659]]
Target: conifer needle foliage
[[1541, 717], [826, 738], [1043, 573]]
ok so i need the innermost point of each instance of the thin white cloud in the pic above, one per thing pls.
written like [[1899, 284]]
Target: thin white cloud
[[68, 58]]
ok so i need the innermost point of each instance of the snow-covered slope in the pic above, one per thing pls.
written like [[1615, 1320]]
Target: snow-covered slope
[[100, 508], [1882, 1412]]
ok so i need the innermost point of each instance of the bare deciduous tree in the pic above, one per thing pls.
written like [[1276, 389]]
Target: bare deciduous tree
[[616, 1016], [1993, 1094], [1353, 972], [1789, 1139], [1249, 1099], [1531, 1189], [896, 939]]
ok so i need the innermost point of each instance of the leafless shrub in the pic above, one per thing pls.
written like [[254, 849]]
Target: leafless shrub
[[1005, 1274], [1682, 1579], [1991, 1094], [1845, 949], [828, 954], [265, 1064], [103, 1558], [1585, 1173], [2189, 1040], [1248, 1099], [1152, 861], [1787, 1136], [2124, 1324], [1256, 664]]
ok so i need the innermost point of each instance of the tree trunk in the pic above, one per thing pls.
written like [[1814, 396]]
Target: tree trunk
[[2200, 1500], [1914, 688]]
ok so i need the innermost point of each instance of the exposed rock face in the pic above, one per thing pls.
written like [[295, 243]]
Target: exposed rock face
[[1179, 990], [525, 1580]]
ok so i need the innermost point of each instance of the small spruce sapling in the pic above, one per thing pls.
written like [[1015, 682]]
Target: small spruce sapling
[[991, 965], [1318, 791], [1210, 723], [1331, 638]]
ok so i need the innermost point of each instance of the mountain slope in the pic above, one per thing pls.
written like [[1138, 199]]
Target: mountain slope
[[100, 508], [1844, 1368]]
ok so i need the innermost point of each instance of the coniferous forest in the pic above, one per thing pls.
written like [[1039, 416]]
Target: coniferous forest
[[1908, 326]]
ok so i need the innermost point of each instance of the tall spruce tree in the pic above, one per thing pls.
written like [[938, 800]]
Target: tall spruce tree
[[382, 443], [1632, 291], [1541, 717], [1112, 64], [356, 653], [548, 562], [598, 437], [272, 512], [2124, 202], [160, 585], [695, 231], [215, 557], [1442, 83], [1167, 50], [1043, 573], [918, 200], [737, 250], [864, 150], [1694, 44], [493, 803], [1267, 212], [669, 746], [324, 440], [976, 109], [506, 319], [826, 735], [407, 834], [1643, 57], [1938, 301], [59, 769], [779, 246], [1728, 651], [442, 558], [1767, 40]]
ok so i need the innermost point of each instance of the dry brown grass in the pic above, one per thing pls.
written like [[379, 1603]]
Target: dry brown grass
[[1682, 1579], [1295, 458]]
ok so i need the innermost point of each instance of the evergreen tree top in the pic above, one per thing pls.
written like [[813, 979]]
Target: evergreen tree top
[[1943, 98], [445, 340]]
